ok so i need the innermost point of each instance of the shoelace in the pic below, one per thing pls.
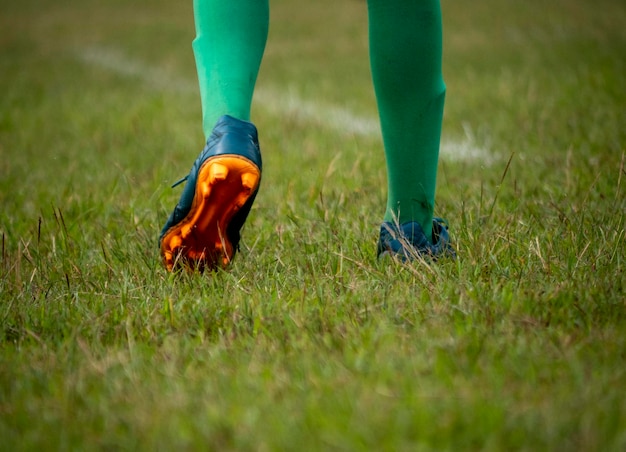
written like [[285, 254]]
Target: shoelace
[[180, 181]]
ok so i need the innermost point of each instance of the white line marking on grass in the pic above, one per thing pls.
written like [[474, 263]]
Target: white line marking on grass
[[275, 102], [121, 64], [330, 116]]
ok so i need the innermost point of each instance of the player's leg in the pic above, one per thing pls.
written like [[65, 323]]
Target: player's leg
[[406, 57], [204, 228], [228, 48]]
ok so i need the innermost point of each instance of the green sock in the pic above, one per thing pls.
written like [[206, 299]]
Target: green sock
[[405, 52], [229, 45]]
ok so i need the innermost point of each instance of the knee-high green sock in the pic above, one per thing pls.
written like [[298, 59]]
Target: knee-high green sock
[[405, 52], [229, 45]]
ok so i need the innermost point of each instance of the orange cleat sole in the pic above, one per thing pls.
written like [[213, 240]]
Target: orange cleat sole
[[224, 184]]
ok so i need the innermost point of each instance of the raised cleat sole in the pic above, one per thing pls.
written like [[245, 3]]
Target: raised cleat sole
[[224, 184]]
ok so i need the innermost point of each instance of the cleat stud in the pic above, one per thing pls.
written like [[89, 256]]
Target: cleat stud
[[217, 172], [241, 200], [175, 242], [168, 257], [249, 180], [205, 189]]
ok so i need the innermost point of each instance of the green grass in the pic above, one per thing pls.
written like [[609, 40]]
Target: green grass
[[308, 341]]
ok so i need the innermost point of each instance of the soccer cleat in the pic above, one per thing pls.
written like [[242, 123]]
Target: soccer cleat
[[203, 231], [408, 241]]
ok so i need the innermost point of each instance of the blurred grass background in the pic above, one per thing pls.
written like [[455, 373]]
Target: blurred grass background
[[308, 341]]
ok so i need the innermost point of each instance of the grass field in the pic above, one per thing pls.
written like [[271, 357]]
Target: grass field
[[308, 342]]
